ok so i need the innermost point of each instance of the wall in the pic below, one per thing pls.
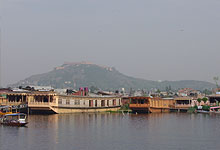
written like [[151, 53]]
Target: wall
[[161, 103], [87, 102], [66, 110]]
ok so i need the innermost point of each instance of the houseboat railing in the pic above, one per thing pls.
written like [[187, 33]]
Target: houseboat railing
[[180, 106], [12, 103], [38, 104], [139, 105]]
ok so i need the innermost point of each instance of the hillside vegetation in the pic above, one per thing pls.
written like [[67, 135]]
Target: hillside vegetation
[[75, 75]]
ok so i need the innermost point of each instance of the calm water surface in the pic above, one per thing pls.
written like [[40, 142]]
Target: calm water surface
[[167, 131]]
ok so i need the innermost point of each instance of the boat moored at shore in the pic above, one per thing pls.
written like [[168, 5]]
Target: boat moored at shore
[[17, 119]]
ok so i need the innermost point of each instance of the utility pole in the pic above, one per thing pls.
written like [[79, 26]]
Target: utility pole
[[216, 82]]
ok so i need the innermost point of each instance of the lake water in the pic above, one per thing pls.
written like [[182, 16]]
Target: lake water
[[157, 131]]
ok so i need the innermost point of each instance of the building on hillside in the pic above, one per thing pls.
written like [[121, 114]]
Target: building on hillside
[[188, 92], [216, 90]]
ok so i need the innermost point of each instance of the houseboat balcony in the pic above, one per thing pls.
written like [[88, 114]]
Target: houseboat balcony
[[6, 103], [41, 104], [139, 105]]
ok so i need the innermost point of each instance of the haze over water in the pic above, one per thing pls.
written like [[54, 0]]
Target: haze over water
[[106, 131]]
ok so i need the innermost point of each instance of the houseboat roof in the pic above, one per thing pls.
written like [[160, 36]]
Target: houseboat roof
[[4, 107], [30, 93], [214, 107], [139, 97], [91, 95], [15, 114], [182, 98], [215, 95]]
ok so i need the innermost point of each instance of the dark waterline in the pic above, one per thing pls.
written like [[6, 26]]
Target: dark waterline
[[159, 131]]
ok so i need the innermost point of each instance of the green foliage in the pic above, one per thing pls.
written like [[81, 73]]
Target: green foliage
[[125, 107], [207, 92], [217, 103], [205, 99], [199, 100], [205, 107], [216, 81], [191, 110], [158, 91], [196, 107]]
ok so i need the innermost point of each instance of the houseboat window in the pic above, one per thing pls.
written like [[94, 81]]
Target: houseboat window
[[64, 101], [107, 102], [3, 110], [103, 103], [77, 102], [142, 101], [68, 102], [134, 101], [59, 101], [45, 99], [95, 103], [71, 102], [114, 102], [22, 116], [14, 117], [90, 103]]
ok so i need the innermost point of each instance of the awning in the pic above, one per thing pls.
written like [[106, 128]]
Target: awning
[[214, 107]]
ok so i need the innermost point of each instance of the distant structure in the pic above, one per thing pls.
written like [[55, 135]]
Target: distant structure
[[67, 64]]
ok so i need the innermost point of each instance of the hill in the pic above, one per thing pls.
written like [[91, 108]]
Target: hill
[[75, 75]]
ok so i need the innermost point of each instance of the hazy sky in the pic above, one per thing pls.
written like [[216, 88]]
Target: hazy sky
[[151, 39]]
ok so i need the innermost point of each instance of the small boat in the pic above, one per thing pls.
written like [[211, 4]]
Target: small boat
[[17, 119], [203, 111], [4, 110]]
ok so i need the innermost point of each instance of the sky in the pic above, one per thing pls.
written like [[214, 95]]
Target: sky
[[150, 39]]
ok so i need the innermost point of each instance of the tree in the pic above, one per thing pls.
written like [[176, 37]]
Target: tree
[[206, 108], [199, 100], [167, 89], [216, 81], [207, 92], [158, 91], [205, 99], [93, 89]]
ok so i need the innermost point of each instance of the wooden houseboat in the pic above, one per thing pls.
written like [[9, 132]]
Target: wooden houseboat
[[140, 104]]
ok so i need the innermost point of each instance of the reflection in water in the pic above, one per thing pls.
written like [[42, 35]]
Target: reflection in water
[[114, 131]]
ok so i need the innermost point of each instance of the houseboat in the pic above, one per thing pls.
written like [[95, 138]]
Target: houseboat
[[140, 104], [67, 102], [18, 119], [150, 104]]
